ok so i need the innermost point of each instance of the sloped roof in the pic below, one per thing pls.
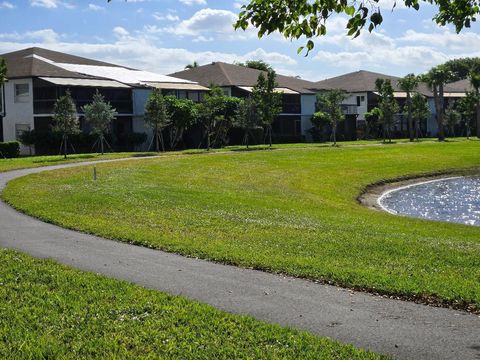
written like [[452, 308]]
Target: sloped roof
[[28, 63], [459, 86], [38, 62], [223, 74], [364, 81], [357, 81]]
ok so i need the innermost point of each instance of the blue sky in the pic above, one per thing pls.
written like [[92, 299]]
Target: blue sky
[[165, 35]]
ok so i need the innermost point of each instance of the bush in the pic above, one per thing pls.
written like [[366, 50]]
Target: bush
[[236, 135], [287, 139], [9, 149], [48, 142]]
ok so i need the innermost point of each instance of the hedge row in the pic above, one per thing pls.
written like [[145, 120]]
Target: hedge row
[[9, 149]]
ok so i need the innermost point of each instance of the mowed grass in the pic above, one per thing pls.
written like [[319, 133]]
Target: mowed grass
[[48, 311], [38, 161], [290, 211]]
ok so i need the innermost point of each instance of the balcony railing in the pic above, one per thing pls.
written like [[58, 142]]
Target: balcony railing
[[349, 109], [47, 106]]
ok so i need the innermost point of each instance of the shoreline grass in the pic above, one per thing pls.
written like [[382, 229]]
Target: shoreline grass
[[51, 311], [293, 212]]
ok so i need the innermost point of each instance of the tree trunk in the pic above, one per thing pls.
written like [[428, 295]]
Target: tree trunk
[[161, 141], [245, 138], [172, 137], [270, 135], [65, 146], [334, 133], [208, 139], [410, 122], [478, 116], [439, 106], [101, 144], [157, 145]]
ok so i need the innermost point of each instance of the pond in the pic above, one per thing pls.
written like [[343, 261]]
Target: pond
[[455, 199]]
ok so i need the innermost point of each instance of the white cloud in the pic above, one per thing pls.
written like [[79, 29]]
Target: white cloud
[[45, 35], [6, 5], [51, 4], [120, 31], [202, 38], [446, 39], [168, 17], [391, 5], [137, 51], [193, 2], [206, 21], [269, 57], [94, 7], [239, 4], [412, 51]]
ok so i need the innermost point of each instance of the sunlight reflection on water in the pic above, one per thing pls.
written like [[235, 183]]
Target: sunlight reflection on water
[[455, 200]]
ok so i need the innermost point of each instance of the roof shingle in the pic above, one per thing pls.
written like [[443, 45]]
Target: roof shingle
[[32, 62], [223, 74]]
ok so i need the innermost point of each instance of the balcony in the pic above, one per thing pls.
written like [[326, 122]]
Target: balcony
[[46, 106], [291, 108], [349, 109]]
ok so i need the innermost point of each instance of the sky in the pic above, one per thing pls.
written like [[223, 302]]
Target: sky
[[164, 36]]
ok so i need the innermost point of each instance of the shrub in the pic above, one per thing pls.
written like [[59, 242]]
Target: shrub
[[9, 149], [287, 139], [48, 142]]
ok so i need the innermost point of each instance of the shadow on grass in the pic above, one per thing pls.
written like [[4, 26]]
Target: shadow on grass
[[61, 158], [144, 154], [252, 149]]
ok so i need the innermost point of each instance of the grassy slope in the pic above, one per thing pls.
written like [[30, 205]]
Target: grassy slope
[[50, 311], [38, 161], [291, 211]]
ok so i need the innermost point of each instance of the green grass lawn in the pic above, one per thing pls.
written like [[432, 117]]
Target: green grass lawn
[[38, 161], [48, 311], [291, 211]]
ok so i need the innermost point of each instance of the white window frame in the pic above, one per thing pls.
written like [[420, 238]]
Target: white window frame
[[22, 97]]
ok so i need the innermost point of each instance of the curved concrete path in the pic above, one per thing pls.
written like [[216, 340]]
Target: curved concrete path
[[401, 329]]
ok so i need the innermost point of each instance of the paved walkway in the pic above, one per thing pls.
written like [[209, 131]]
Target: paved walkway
[[401, 329]]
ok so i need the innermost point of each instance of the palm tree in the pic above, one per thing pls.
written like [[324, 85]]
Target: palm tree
[[475, 81], [408, 84], [192, 66], [436, 78]]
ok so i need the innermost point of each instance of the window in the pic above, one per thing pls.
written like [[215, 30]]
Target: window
[[181, 94], [360, 100], [193, 95], [20, 129], [21, 93]]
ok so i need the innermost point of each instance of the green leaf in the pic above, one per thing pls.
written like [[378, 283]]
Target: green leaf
[[350, 10]]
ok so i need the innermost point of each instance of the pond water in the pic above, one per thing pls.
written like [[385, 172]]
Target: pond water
[[453, 199]]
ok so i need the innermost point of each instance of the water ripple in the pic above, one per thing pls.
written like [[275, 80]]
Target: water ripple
[[454, 200]]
